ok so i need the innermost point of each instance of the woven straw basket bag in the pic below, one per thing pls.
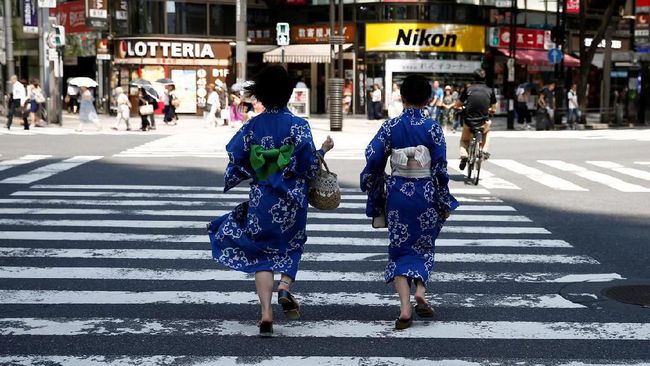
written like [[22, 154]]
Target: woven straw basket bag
[[324, 191]]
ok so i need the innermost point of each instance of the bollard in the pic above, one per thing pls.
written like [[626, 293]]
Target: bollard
[[336, 103]]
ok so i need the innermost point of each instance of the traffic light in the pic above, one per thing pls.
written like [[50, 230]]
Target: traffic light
[[59, 35]]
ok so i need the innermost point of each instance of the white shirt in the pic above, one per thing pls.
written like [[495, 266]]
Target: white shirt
[[213, 99], [19, 92], [376, 95], [573, 99], [122, 99]]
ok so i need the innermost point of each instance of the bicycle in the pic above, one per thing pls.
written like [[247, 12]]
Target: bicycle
[[475, 157]]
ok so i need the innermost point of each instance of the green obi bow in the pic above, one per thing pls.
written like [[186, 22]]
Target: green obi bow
[[267, 162]]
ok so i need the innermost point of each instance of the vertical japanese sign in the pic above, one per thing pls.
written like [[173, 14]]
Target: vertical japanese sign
[[30, 17], [97, 14], [122, 10], [641, 26]]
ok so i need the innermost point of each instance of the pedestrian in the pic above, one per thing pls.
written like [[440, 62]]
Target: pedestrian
[[123, 109], [222, 92], [375, 97], [172, 103], [266, 235], [414, 200], [72, 98], [347, 97], [458, 109], [87, 112], [546, 105], [448, 108], [212, 107], [436, 102], [146, 110], [395, 106], [301, 84], [521, 107], [574, 108], [36, 102], [236, 116], [17, 99]]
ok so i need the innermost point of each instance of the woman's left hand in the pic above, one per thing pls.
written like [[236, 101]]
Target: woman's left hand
[[328, 144]]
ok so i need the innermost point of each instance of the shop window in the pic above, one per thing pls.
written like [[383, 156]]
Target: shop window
[[401, 12], [222, 20], [186, 18], [368, 12], [147, 17]]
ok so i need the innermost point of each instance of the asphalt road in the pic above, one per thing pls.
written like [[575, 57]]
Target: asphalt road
[[104, 258]]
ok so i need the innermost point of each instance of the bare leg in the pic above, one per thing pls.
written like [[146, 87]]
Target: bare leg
[[285, 281], [420, 292], [264, 286], [404, 291]]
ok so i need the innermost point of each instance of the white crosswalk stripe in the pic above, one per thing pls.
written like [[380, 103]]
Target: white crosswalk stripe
[[49, 170], [487, 179], [609, 181], [94, 247], [537, 175], [8, 164], [636, 173]]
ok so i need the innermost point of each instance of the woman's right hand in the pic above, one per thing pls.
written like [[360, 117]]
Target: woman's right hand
[[328, 144]]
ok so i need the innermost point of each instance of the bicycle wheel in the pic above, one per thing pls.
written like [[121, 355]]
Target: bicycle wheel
[[477, 156], [470, 159]]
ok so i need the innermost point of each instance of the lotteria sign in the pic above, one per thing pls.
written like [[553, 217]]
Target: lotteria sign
[[170, 49], [425, 37]]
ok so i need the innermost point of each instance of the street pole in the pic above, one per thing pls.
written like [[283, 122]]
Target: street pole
[[510, 84], [335, 88], [241, 45], [341, 67], [9, 37], [607, 67]]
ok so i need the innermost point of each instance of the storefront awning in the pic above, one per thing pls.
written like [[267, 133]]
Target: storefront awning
[[538, 57], [302, 53]]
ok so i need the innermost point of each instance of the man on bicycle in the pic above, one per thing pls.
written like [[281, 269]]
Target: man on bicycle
[[479, 103]]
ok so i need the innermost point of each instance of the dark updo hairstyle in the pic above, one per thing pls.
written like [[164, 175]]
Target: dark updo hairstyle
[[479, 75], [416, 90], [272, 87]]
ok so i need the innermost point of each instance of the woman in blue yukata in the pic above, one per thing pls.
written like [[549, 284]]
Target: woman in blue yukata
[[266, 234], [414, 199]]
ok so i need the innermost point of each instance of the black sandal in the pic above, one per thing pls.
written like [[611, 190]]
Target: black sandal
[[424, 310], [266, 328], [289, 304], [401, 324]]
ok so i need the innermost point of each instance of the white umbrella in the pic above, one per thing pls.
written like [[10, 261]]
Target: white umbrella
[[83, 81]]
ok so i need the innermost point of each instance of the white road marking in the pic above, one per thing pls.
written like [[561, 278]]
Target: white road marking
[[50, 170], [487, 179], [597, 177], [309, 256], [165, 360], [129, 187], [642, 162], [544, 301], [146, 274], [636, 173], [7, 164], [343, 205], [328, 328], [538, 175], [174, 224], [311, 240], [215, 213]]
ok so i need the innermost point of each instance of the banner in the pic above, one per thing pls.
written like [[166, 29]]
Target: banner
[[97, 9], [573, 6], [30, 17], [310, 34], [525, 38], [72, 16], [425, 37]]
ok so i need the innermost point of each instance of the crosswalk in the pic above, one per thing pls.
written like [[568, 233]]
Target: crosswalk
[[559, 175], [35, 174], [135, 270]]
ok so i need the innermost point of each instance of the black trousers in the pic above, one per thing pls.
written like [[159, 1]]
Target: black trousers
[[523, 114], [14, 105]]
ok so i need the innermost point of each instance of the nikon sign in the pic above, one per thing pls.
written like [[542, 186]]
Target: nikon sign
[[425, 37]]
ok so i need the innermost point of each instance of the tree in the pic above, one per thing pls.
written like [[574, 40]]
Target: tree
[[587, 53]]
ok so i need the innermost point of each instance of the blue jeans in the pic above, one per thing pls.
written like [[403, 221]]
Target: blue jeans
[[573, 116]]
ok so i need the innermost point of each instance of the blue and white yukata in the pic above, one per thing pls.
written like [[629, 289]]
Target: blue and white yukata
[[267, 233], [414, 201]]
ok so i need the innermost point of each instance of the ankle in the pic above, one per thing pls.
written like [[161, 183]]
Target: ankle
[[283, 285]]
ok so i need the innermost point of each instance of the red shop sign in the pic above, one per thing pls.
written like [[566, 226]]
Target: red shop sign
[[72, 16], [526, 38], [572, 6]]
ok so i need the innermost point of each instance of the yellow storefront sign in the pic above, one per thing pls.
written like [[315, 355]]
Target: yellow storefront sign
[[425, 37]]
